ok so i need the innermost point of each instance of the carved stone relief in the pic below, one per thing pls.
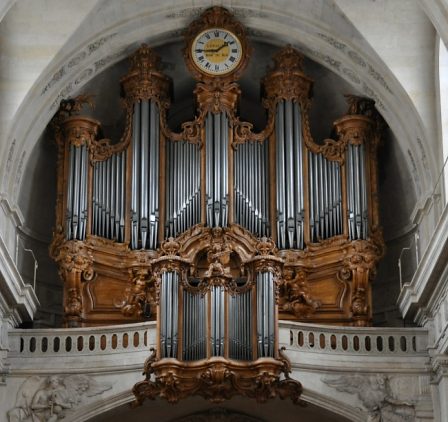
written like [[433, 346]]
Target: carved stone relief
[[49, 399], [376, 394]]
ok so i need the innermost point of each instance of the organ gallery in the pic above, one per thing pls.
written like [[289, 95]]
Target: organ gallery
[[218, 230]]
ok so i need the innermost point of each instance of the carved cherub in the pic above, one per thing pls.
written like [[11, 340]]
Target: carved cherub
[[295, 296], [138, 294], [218, 256]]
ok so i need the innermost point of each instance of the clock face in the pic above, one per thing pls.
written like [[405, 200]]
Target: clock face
[[216, 51]]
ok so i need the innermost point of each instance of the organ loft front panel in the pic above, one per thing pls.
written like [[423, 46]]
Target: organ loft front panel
[[217, 230]]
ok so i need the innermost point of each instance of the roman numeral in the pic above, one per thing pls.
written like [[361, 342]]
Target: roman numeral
[[201, 58], [207, 65], [216, 34], [216, 67], [231, 42], [232, 59], [207, 36], [234, 50]]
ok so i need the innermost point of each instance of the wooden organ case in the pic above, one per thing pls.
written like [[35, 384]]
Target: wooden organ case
[[217, 231]]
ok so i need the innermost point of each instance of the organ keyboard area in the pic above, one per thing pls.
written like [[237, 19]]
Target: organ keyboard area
[[217, 231]]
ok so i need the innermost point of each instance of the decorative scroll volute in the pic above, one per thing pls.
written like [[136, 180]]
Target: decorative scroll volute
[[286, 81], [75, 266], [216, 380], [360, 262], [144, 80]]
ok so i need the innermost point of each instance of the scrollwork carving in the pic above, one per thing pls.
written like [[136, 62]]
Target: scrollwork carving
[[216, 380]]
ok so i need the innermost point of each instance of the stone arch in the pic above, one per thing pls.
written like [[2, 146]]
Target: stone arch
[[104, 38]]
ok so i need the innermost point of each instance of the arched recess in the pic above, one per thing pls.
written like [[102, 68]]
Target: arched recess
[[318, 29], [197, 409], [323, 35]]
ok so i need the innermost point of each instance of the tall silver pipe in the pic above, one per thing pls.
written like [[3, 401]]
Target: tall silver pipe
[[225, 172], [364, 192], [75, 215], [280, 163], [209, 168], [217, 169], [135, 193], [83, 194], [298, 175], [69, 210], [144, 173], [123, 195], [118, 195], [311, 193], [339, 198], [290, 215]]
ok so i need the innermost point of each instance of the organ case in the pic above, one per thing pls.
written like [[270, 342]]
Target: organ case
[[119, 203]]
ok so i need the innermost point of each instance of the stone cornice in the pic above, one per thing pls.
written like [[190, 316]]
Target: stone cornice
[[430, 277], [17, 295]]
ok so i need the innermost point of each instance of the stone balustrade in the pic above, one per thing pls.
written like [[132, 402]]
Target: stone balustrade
[[82, 341], [140, 337], [354, 340]]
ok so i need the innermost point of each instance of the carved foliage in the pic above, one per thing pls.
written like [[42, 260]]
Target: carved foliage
[[286, 81], [144, 81]]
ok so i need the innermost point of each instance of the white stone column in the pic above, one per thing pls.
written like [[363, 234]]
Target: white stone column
[[440, 385]]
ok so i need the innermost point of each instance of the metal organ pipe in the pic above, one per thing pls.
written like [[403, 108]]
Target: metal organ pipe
[[356, 192], [76, 217], [289, 159], [251, 187], [169, 299], [108, 197], [183, 187], [216, 188], [145, 175], [194, 328], [324, 181], [240, 326], [265, 314]]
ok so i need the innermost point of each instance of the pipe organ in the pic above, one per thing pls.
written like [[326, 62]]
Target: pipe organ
[[217, 231]]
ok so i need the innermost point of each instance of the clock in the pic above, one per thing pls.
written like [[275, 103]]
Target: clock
[[216, 51]]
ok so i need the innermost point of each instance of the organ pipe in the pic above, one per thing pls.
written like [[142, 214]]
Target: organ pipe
[[145, 176], [169, 299], [216, 187], [265, 314], [76, 213], [289, 187], [251, 194]]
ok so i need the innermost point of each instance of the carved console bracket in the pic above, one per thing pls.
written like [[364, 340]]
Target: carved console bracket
[[217, 379]]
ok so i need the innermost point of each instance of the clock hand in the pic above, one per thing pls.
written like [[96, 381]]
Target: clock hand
[[213, 50], [225, 44]]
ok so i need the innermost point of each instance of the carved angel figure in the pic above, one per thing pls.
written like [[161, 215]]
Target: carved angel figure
[[295, 296], [49, 399], [375, 394]]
